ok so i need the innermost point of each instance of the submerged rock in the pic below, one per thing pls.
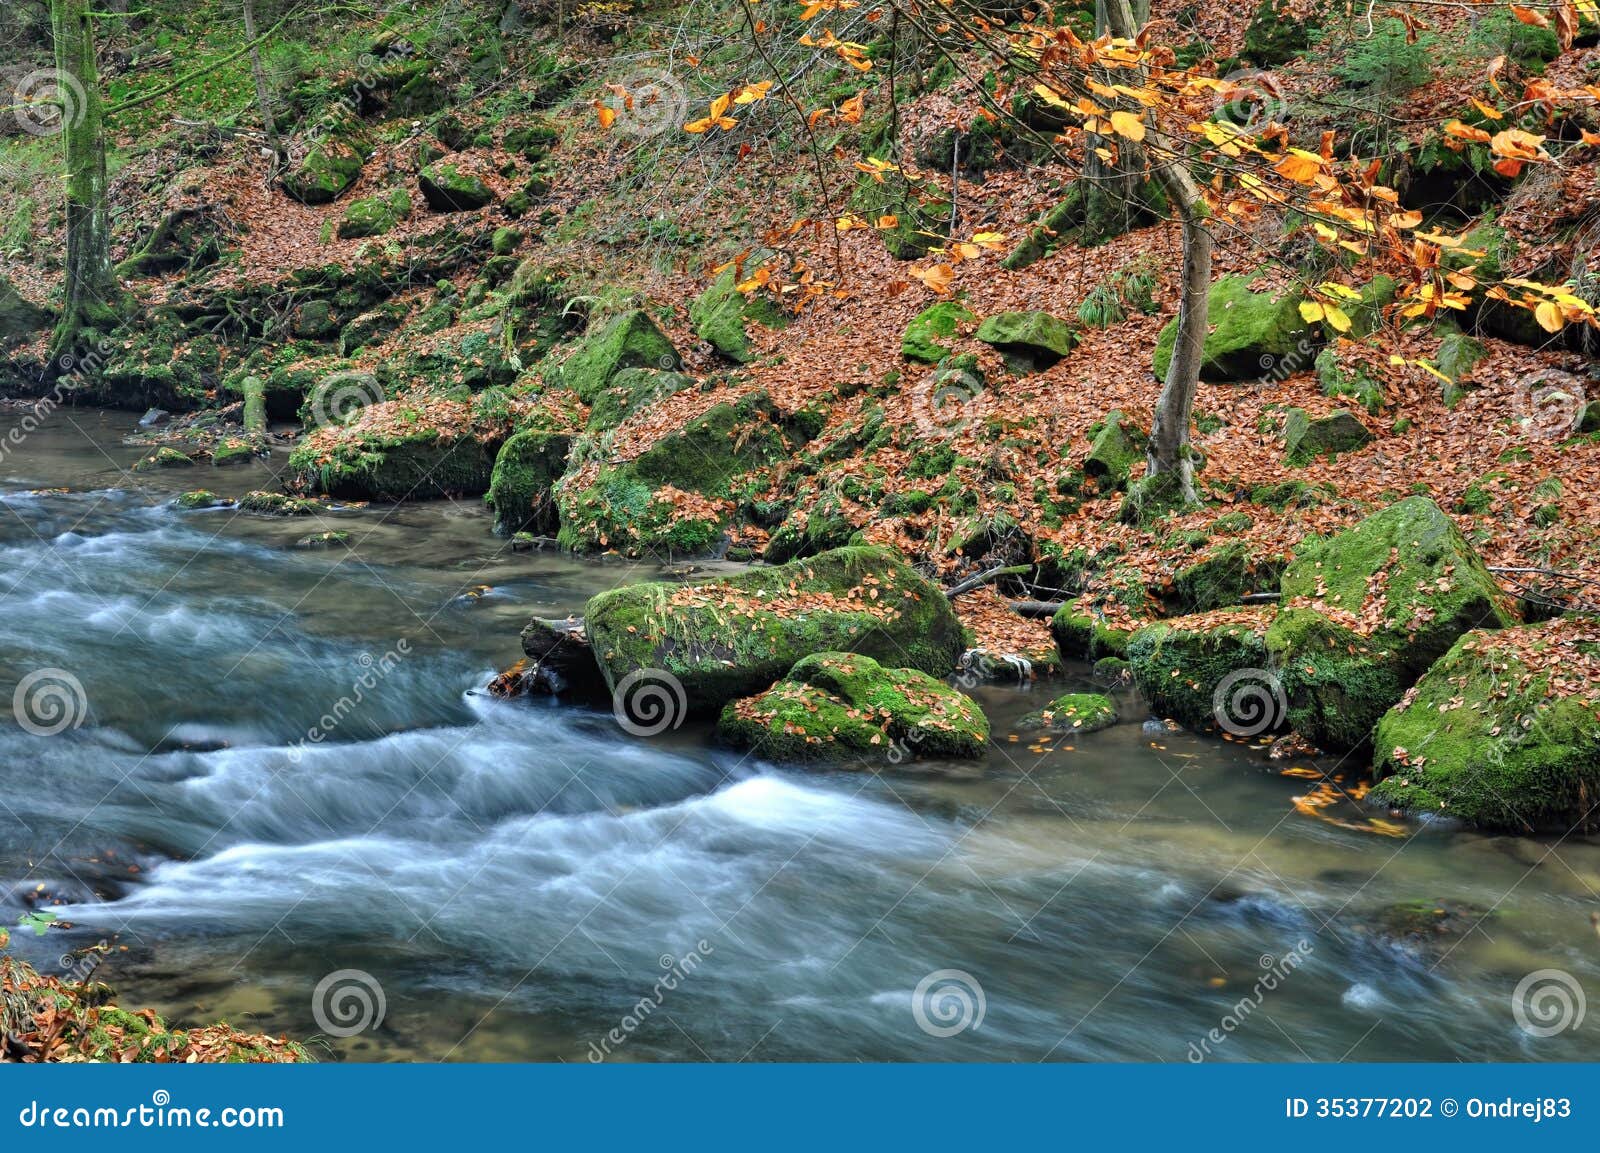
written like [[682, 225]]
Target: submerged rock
[[202, 498], [1503, 731], [732, 637], [1074, 713], [1366, 611], [164, 458], [837, 705]]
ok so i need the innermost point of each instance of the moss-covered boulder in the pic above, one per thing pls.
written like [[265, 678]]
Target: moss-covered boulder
[[1116, 446], [1225, 576], [733, 637], [1306, 439], [330, 168], [166, 457], [201, 498], [1030, 340], [1275, 37], [1252, 334], [1366, 611], [375, 215], [842, 705], [719, 315], [629, 340], [1083, 632], [448, 187], [1341, 379], [525, 471], [1503, 732], [1210, 670], [1074, 713], [393, 451], [19, 319], [633, 390], [929, 327]]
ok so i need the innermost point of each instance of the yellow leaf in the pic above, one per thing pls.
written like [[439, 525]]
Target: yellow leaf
[[1549, 316], [1310, 311], [1128, 125], [1336, 318], [1299, 166]]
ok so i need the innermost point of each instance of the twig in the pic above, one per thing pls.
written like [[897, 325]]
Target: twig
[[984, 578]]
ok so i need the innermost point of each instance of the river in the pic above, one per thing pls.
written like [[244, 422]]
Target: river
[[281, 798]]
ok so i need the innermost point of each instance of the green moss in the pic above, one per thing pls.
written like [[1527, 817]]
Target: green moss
[[1253, 334], [164, 458], [1185, 670], [633, 390], [1074, 713], [729, 638], [447, 188], [1082, 633], [201, 498], [1487, 737], [277, 504], [928, 327], [835, 706], [328, 169], [1433, 588], [1033, 341], [1304, 439], [419, 465], [630, 340], [375, 215], [1353, 382], [525, 470], [1225, 577], [720, 315], [1118, 445], [1271, 39]]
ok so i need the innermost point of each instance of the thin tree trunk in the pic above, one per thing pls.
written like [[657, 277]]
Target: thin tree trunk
[[1168, 451], [91, 288], [263, 93]]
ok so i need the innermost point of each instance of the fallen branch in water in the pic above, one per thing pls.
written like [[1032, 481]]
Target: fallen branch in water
[[1037, 608]]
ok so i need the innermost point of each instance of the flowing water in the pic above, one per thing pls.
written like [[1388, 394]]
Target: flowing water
[[281, 773]]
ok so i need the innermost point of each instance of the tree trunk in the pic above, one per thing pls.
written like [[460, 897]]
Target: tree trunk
[[1168, 452], [91, 290], [263, 93]]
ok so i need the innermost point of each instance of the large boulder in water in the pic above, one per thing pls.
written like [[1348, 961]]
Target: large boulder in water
[[1208, 670], [1503, 731], [839, 706], [394, 451], [525, 471], [1366, 611], [729, 638]]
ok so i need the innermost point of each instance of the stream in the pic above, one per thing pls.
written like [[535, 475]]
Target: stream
[[277, 774]]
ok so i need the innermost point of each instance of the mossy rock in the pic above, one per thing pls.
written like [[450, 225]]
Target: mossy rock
[[1458, 355], [628, 340], [333, 538], [928, 327], [633, 390], [1253, 334], [1074, 713], [202, 498], [165, 457], [1031, 340], [231, 453], [1081, 632], [375, 215], [533, 141], [842, 705], [1354, 382], [447, 188], [1272, 38], [525, 471], [1412, 583], [1225, 577], [1117, 446], [19, 319], [733, 637], [719, 315], [391, 452], [1502, 732], [921, 214], [1305, 439], [806, 532], [277, 504], [328, 169], [1210, 670]]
